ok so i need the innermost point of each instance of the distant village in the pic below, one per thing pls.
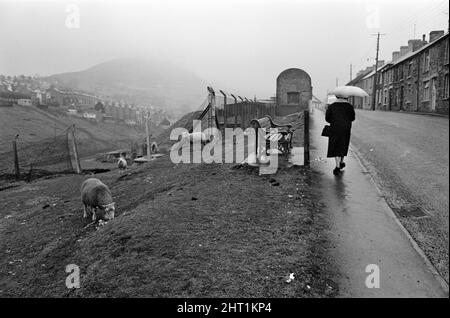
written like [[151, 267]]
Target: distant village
[[35, 91], [416, 79]]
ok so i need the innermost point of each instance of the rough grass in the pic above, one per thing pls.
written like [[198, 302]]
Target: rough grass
[[180, 231]]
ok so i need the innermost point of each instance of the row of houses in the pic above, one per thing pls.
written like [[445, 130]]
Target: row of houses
[[77, 104], [415, 80]]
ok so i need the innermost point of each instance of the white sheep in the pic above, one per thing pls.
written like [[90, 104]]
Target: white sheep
[[96, 196], [122, 164]]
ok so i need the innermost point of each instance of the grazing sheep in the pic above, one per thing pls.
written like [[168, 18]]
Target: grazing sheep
[[95, 196], [122, 164]]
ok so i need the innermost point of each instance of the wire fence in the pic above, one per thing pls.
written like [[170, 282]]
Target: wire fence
[[29, 160]]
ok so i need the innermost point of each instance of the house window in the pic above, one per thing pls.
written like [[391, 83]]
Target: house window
[[426, 66], [385, 97], [293, 98], [426, 90], [410, 65], [446, 83]]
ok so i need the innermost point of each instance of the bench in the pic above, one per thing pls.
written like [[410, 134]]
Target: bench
[[274, 132]]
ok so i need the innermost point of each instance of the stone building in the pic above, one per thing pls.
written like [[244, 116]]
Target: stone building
[[416, 80], [294, 91]]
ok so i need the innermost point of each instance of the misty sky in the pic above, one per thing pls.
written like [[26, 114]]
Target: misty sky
[[240, 46]]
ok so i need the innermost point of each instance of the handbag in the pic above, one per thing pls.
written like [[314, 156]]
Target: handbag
[[326, 131]]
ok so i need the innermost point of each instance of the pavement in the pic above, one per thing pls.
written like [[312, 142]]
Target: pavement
[[365, 231], [408, 156]]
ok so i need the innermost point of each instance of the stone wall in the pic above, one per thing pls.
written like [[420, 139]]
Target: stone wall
[[293, 81]]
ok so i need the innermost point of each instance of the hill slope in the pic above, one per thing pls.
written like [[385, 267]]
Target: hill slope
[[140, 81]]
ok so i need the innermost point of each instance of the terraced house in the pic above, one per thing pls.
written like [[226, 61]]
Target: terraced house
[[415, 80]]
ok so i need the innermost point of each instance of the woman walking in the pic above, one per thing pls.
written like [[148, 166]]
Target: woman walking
[[340, 115]]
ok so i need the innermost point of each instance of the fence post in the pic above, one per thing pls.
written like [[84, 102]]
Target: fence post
[[147, 137], [306, 136], [235, 111], [212, 110], [241, 111], [16, 158], [224, 110], [75, 151]]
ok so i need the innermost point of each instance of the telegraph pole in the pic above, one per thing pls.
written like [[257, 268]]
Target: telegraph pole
[[375, 75], [351, 72]]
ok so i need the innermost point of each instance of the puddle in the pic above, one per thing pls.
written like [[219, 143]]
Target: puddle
[[412, 211]]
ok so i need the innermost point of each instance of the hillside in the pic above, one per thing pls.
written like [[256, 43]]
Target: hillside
[[139, 81], [180, 231], [42, 133]]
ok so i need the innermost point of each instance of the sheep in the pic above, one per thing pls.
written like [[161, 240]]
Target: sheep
[[95, 195], [122, 164]]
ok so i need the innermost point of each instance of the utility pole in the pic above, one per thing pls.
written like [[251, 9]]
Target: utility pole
[[375, 75], [16, 158], [351, 72]]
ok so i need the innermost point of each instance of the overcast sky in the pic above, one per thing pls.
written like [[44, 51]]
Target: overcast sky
[[240, 45]]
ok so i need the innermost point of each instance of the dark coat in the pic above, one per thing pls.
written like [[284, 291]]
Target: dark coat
[[340, 116]]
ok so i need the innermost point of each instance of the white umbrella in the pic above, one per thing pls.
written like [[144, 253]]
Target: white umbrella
[[347, 91]]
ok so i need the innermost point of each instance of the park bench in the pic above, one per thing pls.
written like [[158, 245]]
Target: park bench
[[274, 132]]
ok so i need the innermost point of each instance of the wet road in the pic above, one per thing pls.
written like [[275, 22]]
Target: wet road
[[364, 231], [409, 157]]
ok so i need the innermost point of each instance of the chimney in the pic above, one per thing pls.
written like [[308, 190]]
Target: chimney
[[380, 63], [414, 45], [423, 38], [395, 55], [435, 35], [403, 50]]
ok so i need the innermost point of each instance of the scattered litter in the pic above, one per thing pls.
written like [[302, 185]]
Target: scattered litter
[[194, 199], [275, 184], [307, 220], [272, 180], [100, 224], [289, 212], [88, 225], [290, 278], [290, 196], [46, 206], [307, 286], [371, 149], [8, 216], [319, 159]]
